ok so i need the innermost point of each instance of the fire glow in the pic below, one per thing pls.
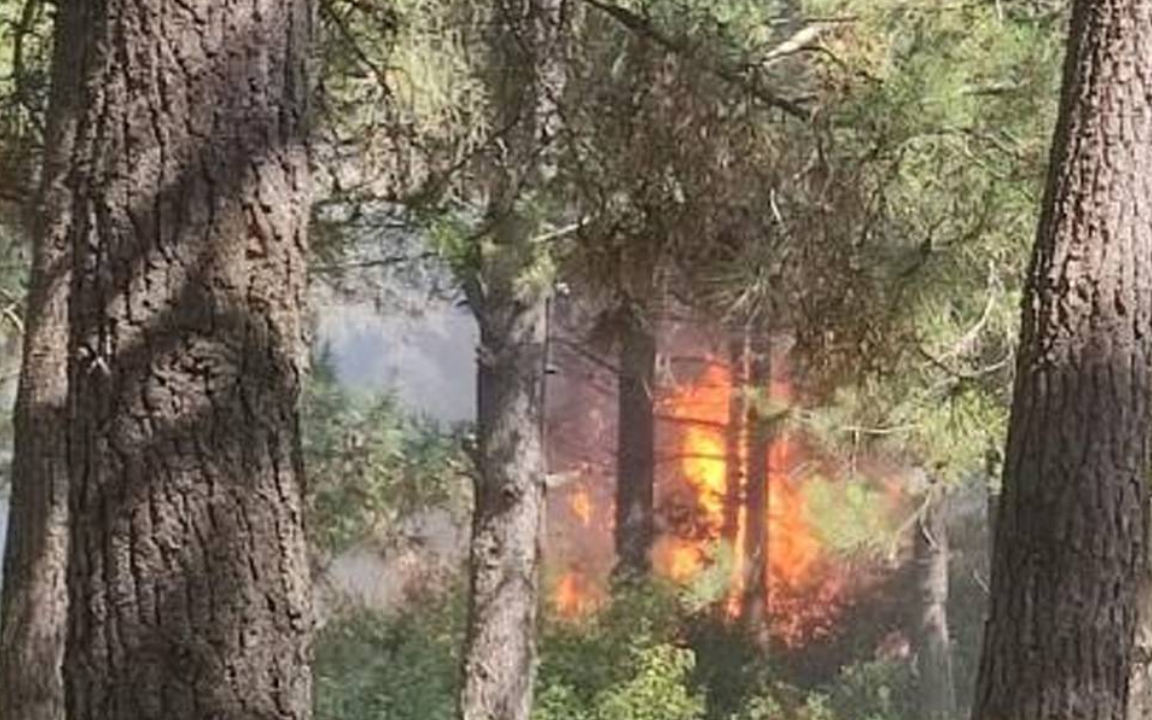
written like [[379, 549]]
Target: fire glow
[[702, 506]]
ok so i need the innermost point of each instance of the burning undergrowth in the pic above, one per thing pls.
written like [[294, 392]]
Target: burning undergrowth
[[775, 540]]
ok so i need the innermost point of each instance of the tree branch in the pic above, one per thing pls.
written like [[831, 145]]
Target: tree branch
[[735, 76]]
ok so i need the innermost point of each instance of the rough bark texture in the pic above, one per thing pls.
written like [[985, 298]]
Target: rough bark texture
[[755, 603], [935, 681], [1140, 689], [33, 610], [1070, 549], [635, 446], [188, 578], [499, 665], [510, 302]]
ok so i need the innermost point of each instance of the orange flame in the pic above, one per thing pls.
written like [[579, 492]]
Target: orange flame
[[803, 587], [580, 503], [703, 501], [678, 559], [576, 595]]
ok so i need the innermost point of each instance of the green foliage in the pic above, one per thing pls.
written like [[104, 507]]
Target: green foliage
[[657, 692], [623, 665], [25, 51], [714, 581], [591, 659], [400, 668], [945, 114], [633, 661], [874, 690], [673, 157], [399, 98], [370, 465], [851, 516], [761, 707]]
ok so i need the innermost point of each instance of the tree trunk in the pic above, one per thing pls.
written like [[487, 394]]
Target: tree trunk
[[735, 439], [499, 665], [33, 609], [635, 447], [933, 647], [1140, 690], [188, 579], [509, 298], [1070, 549], [755, 605]]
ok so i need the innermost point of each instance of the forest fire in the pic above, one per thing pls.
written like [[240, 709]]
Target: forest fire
[[577, 594], [781, 576], [580, 503], [799, 586]]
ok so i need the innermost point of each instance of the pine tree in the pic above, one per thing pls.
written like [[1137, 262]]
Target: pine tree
[[187, 204], [1070, 547]]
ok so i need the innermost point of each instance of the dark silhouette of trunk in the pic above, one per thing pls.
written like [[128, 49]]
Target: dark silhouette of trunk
[[755, 603], [635, 448], [736, 438], [936, 685], [1070, 548], [33, 609], [511, 308], [188, 194]]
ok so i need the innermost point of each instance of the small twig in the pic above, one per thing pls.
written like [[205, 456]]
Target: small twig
[[374, 263], [14, 317], [350, 38]]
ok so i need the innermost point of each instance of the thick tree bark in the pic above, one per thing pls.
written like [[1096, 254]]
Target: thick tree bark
[[635, 445], [188, 580], [499, 663], [1140, 690], [1070, 548], [755, 603], [33, 610], [936, 684], [510, 302]]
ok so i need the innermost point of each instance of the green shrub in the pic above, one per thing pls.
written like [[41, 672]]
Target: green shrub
[[658, 691], [630, 662], [369, 666], [625, 663], [875, 690]]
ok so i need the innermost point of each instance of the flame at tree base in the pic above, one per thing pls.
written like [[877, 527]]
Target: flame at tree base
[[787, 575]]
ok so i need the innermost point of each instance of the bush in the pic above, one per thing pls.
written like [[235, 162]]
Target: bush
[[402, 667], [625, 663], [629, 662], [875, 690]]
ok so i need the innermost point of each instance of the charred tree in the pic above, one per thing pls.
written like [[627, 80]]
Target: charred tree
[[509, 299], [635, 444], [736, 437], [1070, 551], [33, 609], [755, 605], [937, 689], [187, 200]]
